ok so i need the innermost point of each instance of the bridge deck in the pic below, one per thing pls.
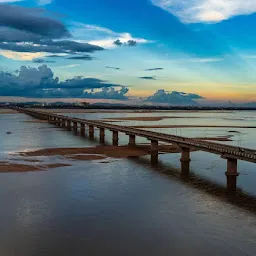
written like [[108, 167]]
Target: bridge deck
[[226, 151]]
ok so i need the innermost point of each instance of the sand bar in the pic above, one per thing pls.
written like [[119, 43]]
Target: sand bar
[[87, 157], [127, 111], [11, 167], [145, 118], [27, 160], [192, 126], [109, 151], [36, 121], [8, 111]]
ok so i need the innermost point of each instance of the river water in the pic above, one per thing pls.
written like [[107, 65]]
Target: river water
[[123, 206]]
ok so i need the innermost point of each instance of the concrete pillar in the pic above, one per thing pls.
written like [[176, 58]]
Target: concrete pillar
[[75, 126], [63, 122], [115, 138], [231, 174], [69, 125], [154, 151], [132, 140], [91, 132], [185, 161], [82, 129], [58, 120], [102, 135]]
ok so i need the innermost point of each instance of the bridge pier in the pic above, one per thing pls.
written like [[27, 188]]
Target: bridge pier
[[231, 174], [154, 151], [91, 132], [102, 135], [69, 125], [58, 121], [82, 129], [75, 126], [63, 122], [115, 138], [185, 161], [132, 140]]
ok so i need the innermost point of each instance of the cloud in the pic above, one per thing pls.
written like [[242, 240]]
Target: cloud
[[204, 60], [64, 46], [104, 37], [40, 2], [20, 55], [108, 93], [153, 69], [31, 30], [131, 43], [39, 61], [118, 42], [14, 35], [148, 77], [41, 83], [55, 56], [112, 68], [83, 57], [69, 66], [206, 11], [32, 20], [9, 1], [175, 98]]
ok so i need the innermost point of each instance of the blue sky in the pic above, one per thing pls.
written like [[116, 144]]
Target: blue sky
[[164, 51]]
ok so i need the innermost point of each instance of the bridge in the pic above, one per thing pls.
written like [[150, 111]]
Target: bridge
[[231, 153]]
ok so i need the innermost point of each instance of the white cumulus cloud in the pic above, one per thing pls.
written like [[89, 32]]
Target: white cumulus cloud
[[206, 11]]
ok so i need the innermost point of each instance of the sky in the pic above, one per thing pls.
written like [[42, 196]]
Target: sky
[[180, 52]]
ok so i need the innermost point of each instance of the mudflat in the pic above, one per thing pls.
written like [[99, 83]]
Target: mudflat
[[12, 167]]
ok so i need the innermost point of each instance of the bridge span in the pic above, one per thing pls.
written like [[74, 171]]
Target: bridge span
[[231, 153]]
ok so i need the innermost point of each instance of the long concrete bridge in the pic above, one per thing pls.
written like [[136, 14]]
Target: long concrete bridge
[[231, 153]]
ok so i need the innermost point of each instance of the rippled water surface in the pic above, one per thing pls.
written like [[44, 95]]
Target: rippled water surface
[[123, 206]]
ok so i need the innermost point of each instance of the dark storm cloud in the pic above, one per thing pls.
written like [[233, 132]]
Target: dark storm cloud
[[40, 82], [32, 20], [65, 46], [112, 68], [73, 46], [153, 69], [175, 98], [30, 30], [83, 57], [85, 83], [148, 77], [15, 35], [25, 47]]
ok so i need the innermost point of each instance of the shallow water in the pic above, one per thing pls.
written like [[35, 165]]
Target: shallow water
[[119, 207]]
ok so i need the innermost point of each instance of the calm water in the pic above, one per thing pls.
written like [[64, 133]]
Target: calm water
[[123, 207]]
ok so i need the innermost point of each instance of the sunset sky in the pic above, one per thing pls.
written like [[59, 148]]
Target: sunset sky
[[160, 51]]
